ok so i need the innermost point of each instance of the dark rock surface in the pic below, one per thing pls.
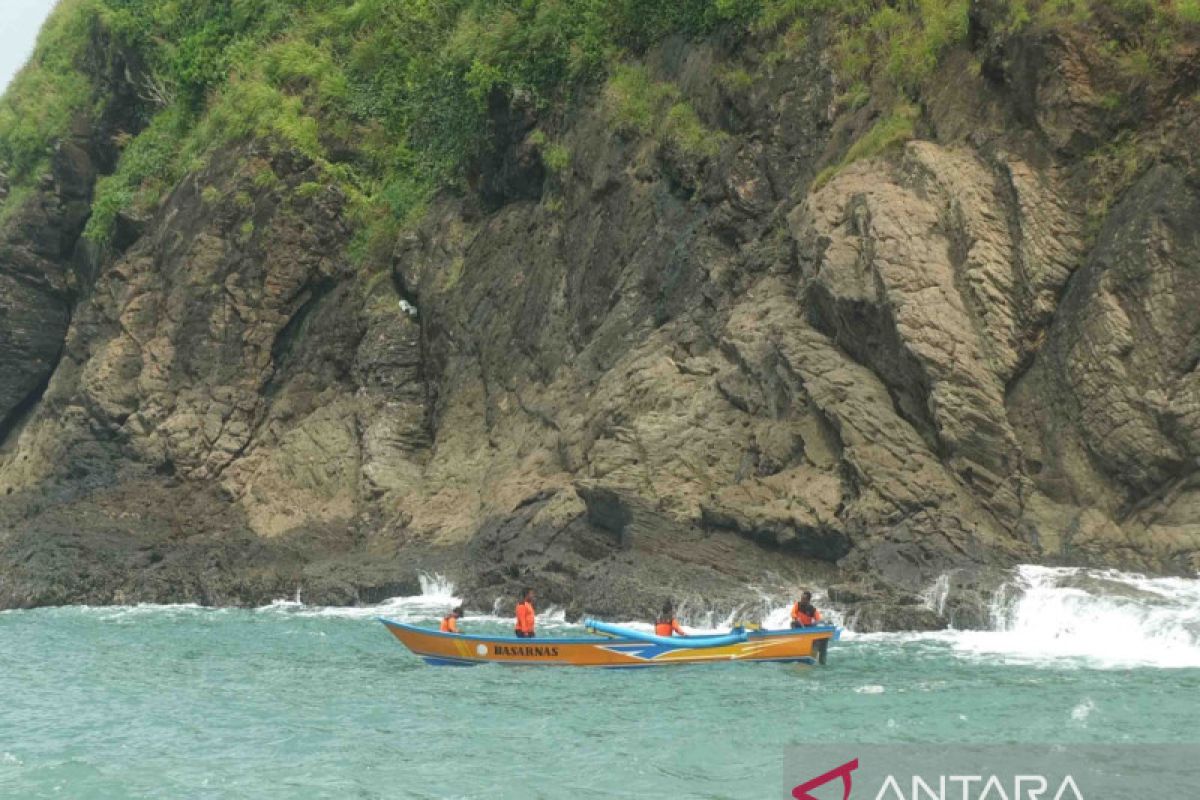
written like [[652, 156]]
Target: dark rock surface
[[650, 374]]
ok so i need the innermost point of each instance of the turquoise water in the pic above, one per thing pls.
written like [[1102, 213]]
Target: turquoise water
[[289, 702]]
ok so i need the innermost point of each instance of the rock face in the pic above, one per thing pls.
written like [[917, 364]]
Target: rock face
[[36, 314], [650, 373], [37, 280], [1111, 410]]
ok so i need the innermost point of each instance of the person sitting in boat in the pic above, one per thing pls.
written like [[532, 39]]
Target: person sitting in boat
[[525, 616], [450, 621], [804, 613], [666, 624]]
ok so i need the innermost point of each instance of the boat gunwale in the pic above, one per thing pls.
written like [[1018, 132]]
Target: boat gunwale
[[600, 640]]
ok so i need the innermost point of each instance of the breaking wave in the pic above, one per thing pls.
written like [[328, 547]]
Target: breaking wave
[[1057, 615], [1104, 617], [1042, 615]]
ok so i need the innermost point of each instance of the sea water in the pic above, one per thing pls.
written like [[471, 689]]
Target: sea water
[[291, 701]]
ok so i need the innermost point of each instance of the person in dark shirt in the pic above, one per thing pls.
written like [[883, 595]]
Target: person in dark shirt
[[804, 613], [450, 621]]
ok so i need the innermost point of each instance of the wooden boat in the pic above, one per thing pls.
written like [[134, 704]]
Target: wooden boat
[[622, 647]]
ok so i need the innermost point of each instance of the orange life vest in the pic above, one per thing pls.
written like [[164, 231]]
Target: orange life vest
[[449, 624], [525, 617], [668, 627], [800, 615]]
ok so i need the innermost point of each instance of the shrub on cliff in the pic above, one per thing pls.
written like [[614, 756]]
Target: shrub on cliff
[[38, 105], [391, 97]]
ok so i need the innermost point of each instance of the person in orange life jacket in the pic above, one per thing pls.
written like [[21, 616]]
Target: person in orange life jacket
[[666, 624], [525, 616], [450, 621], [804, 614]]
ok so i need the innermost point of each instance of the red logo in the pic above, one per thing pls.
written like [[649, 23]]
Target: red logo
[[801, 792]]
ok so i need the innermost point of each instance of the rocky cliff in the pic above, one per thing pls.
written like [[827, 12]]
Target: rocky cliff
[[638, 359]]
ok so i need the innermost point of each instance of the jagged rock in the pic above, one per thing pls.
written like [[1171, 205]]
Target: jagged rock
[[39, 275], [931, 279], [1127, 345], [606, 552], [35, 299], [653, 375], [1109, 411]]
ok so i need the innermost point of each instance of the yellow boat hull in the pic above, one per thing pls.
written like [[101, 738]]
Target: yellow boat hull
[[803, 645]]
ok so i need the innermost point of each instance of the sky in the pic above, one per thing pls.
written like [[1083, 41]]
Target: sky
[[20, 21]]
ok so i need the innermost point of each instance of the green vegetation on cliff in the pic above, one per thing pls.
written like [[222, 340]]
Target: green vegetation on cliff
[[639, 104], [391, 97], [891, 130], [38, 105]]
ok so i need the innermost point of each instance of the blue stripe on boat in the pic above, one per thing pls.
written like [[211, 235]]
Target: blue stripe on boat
[[451, 662]]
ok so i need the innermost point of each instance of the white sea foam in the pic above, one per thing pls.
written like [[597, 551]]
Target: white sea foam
[[1081, 712], [936, 595], [1104, 617], [770, 611], [125, 614], [1096, 618], [780, 617], [438, 596]]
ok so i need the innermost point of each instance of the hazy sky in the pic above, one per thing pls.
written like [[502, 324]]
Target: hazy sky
[[19, 24]]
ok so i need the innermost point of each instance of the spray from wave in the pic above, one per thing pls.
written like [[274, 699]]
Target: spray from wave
[[1058, 616], [1103, 617], [1065, 616], [438, 596]]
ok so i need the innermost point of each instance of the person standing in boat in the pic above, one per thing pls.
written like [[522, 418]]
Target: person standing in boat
[[525, 615], [666, 624], [804, 613], [450, 621]]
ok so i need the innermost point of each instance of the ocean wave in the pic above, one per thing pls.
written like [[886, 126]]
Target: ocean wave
[[1102, 619], [1042, 616]]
